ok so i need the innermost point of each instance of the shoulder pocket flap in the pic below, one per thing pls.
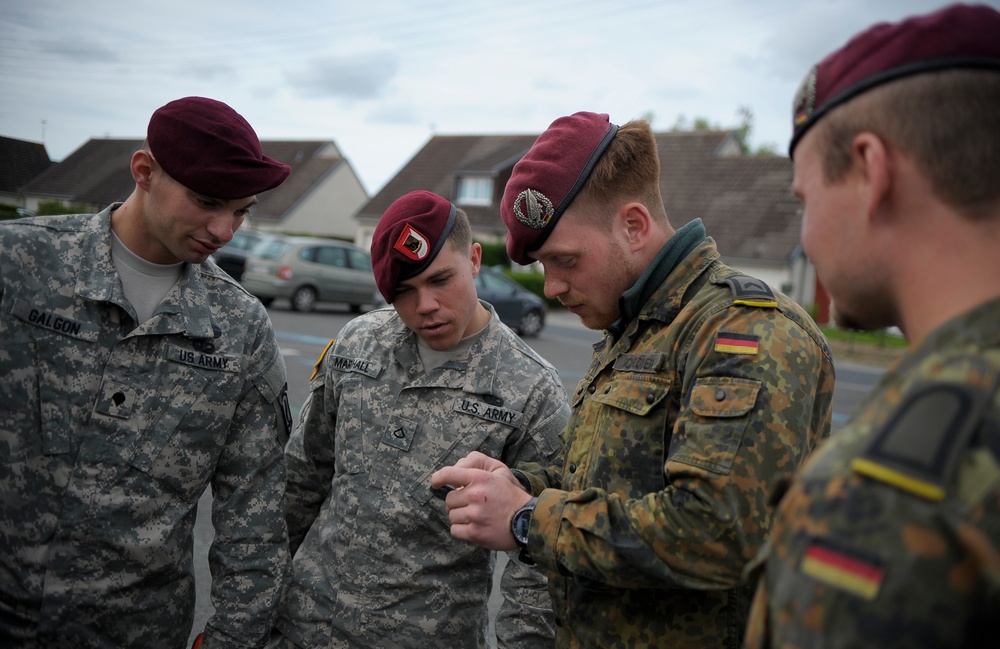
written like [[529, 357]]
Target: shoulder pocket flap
[[723, 396], [637, 394]]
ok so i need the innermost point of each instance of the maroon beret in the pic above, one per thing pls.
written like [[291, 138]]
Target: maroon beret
[[408, 237], [546, 180], [958, 36], [209, 148]]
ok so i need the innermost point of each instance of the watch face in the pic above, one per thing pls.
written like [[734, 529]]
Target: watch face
[[521, 521]]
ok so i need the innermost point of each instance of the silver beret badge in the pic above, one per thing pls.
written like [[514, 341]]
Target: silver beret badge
[[533, 209]]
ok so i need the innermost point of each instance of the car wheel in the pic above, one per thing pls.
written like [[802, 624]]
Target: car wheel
[[304, 299], [266, 301], [531, 324], [355, 308]]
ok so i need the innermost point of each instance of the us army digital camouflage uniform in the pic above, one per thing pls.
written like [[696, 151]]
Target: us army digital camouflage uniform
[[110, 433], [890, 537], [680, 428], [377, 565]]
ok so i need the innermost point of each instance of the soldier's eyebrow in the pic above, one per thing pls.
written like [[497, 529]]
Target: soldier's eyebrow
[[441, 273], [447, 270]]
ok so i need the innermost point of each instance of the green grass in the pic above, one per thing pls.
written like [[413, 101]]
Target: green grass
[[881, 338]]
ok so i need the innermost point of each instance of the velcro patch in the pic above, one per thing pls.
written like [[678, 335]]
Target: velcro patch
[[650, 363], [858, 576], [116, 400], [399, 433], [750, 291], [918, 448], [489, 412], [734, 343], [360, 365], [54, 322], [220, 362]]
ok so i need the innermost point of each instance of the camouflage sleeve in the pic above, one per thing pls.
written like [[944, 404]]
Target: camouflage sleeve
[[310, 457], [525, 617], [890, 535], [743, 422], [249, 556]]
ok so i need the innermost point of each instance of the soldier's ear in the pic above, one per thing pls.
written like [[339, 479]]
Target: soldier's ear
[[872, 172], [636, 225], [476, 257], [142, 165]]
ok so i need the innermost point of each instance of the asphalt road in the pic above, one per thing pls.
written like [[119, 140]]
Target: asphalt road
[[564, 342]]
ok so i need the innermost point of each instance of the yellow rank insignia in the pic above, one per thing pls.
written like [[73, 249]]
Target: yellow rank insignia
[[733, 343], [857, 576]]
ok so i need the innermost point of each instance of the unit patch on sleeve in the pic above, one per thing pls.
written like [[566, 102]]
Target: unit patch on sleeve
[[319, 361], [750, 291], [919, 448]]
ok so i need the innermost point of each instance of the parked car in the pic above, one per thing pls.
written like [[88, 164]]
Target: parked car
[[308, 271], [517, 307], [232, 257]]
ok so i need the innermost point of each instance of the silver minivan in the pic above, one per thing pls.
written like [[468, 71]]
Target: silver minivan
[[307, 271]]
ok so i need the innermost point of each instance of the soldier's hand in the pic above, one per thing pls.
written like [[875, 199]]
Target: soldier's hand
[[477, 460], [481, 508]]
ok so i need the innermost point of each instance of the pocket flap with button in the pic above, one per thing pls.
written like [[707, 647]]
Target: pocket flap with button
[[637, 394], [722, 396]]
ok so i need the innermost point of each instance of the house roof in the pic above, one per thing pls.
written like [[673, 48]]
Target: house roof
[[20, 161], [745, 201], [438, 165], [98, 174]]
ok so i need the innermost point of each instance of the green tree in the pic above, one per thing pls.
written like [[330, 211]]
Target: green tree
[[743, 130], [46, 208]]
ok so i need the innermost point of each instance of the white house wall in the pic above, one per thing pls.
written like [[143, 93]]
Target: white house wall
[[328, 209]]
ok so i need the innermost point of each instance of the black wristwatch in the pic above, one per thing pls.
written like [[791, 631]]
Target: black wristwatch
[[520, 522]]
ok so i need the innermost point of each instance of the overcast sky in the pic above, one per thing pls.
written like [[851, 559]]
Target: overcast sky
[[380, 77]]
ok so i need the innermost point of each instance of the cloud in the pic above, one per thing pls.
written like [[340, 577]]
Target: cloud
[[206, 71], [363, 75], [79, 50]]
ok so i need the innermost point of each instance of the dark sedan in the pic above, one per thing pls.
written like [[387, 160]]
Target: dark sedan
[[518, 308]]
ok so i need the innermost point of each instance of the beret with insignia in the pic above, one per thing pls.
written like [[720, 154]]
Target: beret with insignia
[[958, 36], [408, 238], [546, 180]]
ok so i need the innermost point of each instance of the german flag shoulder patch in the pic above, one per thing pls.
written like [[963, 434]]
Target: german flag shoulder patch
[[733, 343], [849, 572]]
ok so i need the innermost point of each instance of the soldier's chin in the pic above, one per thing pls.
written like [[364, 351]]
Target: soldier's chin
[[854, 321]]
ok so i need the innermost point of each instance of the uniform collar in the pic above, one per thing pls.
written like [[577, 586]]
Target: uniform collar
[[478, 374], [671, 254], [185, 309]]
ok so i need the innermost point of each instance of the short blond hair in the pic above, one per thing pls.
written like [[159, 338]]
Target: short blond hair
[[948, 122]]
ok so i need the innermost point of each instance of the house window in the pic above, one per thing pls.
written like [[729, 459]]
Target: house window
[[475, 190]]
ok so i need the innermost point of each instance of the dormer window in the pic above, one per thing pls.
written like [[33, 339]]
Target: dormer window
[[475, 190]]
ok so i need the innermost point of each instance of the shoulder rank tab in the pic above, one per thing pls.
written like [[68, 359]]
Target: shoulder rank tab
[[750, 291], [919, 447], [319, 361]]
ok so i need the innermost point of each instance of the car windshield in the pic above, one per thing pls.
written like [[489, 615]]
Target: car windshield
[[272, 249], [243, 241]]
